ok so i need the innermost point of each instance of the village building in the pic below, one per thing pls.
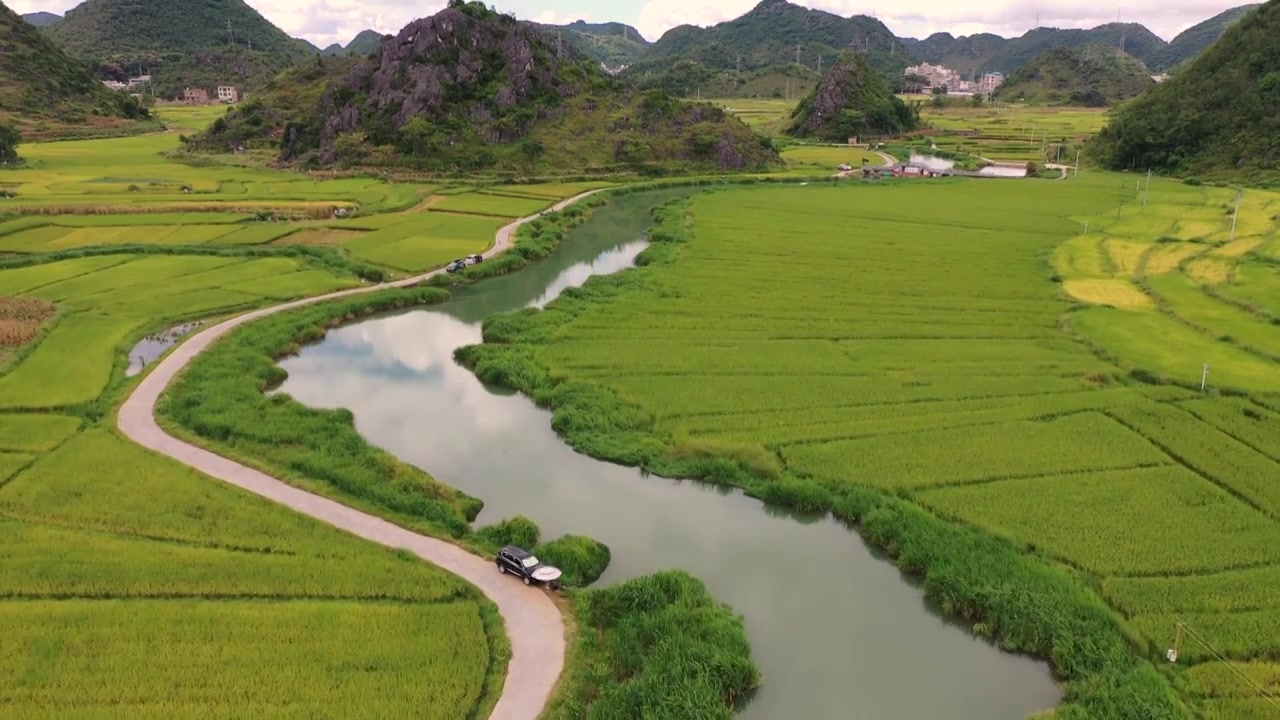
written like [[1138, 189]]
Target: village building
[[228, 94], [195, 96], [139, 81], [115, 85], [989, 82]]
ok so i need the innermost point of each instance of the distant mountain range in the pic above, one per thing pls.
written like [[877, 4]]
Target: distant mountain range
[[227, 42], [366, 42], [1090, 75]]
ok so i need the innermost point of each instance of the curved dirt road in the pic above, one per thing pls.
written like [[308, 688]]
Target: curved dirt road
[[532, 621]]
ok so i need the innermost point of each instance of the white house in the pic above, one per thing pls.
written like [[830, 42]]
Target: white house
[[228, 94]]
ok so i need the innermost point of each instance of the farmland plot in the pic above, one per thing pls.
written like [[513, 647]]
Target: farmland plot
[[839, 338]]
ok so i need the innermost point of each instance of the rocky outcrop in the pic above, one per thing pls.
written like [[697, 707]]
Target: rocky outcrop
[[851, 99]]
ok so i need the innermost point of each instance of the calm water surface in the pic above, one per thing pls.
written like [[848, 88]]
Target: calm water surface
[[836, 630]]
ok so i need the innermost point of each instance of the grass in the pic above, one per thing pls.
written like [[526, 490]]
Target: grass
[[933, 378], [820, 157], [656, 647], [35, 433], [72, 365]]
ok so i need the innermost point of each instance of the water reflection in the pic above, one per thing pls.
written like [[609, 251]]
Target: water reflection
[[151, 347], [836, 631]]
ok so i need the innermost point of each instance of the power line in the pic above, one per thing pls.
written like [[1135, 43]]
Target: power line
[[1265, 693]]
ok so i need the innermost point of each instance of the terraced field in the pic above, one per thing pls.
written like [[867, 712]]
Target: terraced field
[[1012, 133], [924, 340]]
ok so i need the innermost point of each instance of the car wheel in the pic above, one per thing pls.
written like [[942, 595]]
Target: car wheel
[[502, 569], [527, 581]]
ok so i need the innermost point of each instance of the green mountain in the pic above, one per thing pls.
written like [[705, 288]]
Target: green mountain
[[201, 43], [1217, 117], [1131, 38], [770, 35], [1092, 76], [851, 100], [965, 54], [469, 89], [615, 46], [1194, 40], [368, 41], [42, 19], [40, 84]]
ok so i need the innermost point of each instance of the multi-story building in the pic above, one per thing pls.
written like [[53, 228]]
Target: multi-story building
[[989, 82], [936, 75], [195, 96], [228, 94]]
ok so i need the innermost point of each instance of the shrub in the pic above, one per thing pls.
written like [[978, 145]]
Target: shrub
[[581, 559], [519, 531], [656, 647]]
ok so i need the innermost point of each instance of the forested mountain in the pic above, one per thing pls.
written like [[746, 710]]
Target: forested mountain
[[851, 100], [1132, 38], [966, 54], [470, 89], [777, 33], [367, 41], [1218, 116], [181, 42], [614, 45], [39, 82], [41, 19], [1093, 76], [1194, 40]]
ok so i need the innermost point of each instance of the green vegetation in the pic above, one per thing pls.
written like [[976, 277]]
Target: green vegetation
[[949, 399], [1089, 76], [851, 100], [1195, 39], [1012, 133], [613, 45], [206, 44], [976, 54], [43, 91], [658, 647], [557, 112], [766, 39], [1212, 119]]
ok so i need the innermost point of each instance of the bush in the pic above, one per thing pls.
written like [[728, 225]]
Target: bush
[[657, 647], [581, 559], [519, 531]]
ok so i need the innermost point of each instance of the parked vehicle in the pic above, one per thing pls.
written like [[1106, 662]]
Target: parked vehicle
[[474, 259], [455, 266], [844, 168], [512, 560]]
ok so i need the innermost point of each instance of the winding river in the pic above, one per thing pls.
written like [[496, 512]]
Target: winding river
[[836, 630]]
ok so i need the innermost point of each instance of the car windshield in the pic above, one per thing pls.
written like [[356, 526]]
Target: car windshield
[[529, 561]]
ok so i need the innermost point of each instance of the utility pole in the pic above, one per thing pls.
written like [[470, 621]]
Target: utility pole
[[797, 54], [1146, 192], [1172, 655], [231, 36], [560, 44], [1204, 378], [1077, 162], [1236, 215], [819, 66]]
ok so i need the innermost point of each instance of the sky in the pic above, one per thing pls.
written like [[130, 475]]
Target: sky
[[328, 21]]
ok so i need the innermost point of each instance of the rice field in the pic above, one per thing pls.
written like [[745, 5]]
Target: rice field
[[123, 574], [1006, 370], [1012, 133]]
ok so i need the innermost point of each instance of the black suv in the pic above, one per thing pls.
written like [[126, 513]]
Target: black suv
[[522, 563]]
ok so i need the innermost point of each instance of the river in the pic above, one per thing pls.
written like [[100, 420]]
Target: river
[[835, 628]]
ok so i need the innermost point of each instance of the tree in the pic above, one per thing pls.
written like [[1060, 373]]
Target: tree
[[9, 139]]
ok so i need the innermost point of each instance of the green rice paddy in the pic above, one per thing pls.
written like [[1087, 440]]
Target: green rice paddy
[[985, 359], [125, 574]]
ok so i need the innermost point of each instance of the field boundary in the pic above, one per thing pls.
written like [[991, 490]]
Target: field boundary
[[533, 622]]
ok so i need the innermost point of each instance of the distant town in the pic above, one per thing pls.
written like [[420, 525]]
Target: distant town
[[937, 78]]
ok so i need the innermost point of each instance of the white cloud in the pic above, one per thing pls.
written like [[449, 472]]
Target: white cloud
[[551, 17]]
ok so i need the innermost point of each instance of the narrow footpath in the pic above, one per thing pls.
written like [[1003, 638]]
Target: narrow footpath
[[531, 619]]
